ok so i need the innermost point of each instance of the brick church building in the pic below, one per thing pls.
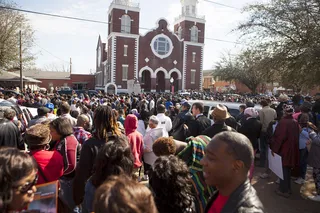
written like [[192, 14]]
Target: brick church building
[[153, 58]]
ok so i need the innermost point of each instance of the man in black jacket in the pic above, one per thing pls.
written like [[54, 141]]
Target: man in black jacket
[[184, 117], [226, 163], [219, 114], [200, 122], [9, 134]]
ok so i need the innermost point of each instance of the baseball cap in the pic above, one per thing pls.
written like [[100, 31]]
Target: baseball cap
[[50, 106]]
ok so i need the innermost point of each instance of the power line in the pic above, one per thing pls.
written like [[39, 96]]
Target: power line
[[220, 40], [51, 53], [53, 15], [95, 21], [220, 4]]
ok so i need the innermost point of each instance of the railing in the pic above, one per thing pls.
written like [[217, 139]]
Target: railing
[[128, 3], [190, 16]]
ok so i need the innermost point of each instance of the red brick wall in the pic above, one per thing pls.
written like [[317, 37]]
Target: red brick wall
[[121, 59], [193, 65], [145, 50], [74, 78], [115, 20], [186, 33]]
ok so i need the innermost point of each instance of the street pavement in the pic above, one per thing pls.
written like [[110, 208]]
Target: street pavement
[[297, 203]]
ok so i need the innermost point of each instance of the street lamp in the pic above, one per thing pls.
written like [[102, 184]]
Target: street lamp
[[172, 86]]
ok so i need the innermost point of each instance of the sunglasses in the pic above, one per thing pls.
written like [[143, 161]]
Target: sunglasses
[[27, 186]]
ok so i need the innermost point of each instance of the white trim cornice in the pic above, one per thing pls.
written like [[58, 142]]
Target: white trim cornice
[[125, 35], [192, 19], [194, 43], [123, 7]]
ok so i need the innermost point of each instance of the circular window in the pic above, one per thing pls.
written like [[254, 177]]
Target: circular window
[[161, 46]]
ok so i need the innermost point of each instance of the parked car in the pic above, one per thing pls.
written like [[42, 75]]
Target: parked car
[[27, 113], [8, 92], [210, 105], [91, 93]]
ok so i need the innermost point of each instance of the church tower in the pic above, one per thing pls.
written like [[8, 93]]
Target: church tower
[[190, 27], [123, 38]]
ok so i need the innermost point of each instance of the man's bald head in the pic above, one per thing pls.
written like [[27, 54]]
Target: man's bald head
[[83, 120]]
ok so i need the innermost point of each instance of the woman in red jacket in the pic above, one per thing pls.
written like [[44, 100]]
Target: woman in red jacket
[[65, 143], [285, 142], [62, 134], [50, 163]]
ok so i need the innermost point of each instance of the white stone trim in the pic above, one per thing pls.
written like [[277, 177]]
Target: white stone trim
[[123, 7], [136, 62], [176, 71], [146, 68], [184, 77], [192, 19], [166, 75], [113, 59], [108, 84], [155, 52], [194, 44], [125, 35], [201, 69]]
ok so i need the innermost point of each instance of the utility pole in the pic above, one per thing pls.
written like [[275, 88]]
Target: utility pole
[[21, 78], [70, 66]]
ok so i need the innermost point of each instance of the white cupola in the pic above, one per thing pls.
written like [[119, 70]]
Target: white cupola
[[189, 7]]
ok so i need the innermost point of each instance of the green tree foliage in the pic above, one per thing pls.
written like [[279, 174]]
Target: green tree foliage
[[248, 67], [288, 30], [11, 22]]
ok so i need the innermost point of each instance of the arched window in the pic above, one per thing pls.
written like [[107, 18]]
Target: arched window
[[194, 34], [125, 24], [180, 32]]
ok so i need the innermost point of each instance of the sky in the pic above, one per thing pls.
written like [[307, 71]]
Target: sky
[[57, 40]]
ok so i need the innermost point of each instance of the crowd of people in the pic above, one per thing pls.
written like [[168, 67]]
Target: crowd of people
[[153, 153]]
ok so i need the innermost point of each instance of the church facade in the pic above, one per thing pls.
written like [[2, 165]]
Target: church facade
[[155, 59]]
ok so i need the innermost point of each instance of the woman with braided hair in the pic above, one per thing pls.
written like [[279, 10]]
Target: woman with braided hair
[[18, 177], [171, 183], [105, 129]]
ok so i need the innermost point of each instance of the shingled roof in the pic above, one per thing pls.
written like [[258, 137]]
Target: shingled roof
[[39, 74]]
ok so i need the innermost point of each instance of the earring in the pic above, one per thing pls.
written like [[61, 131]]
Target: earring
[[47, 147]]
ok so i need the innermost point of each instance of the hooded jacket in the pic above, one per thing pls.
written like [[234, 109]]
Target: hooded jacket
[[135, 139]]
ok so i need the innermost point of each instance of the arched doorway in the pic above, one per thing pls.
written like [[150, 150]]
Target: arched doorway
[[146, 81], [161, 83], [174, 75], [110, 88]]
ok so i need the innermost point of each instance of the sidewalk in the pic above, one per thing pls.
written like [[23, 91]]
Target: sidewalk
[[297, 203]]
